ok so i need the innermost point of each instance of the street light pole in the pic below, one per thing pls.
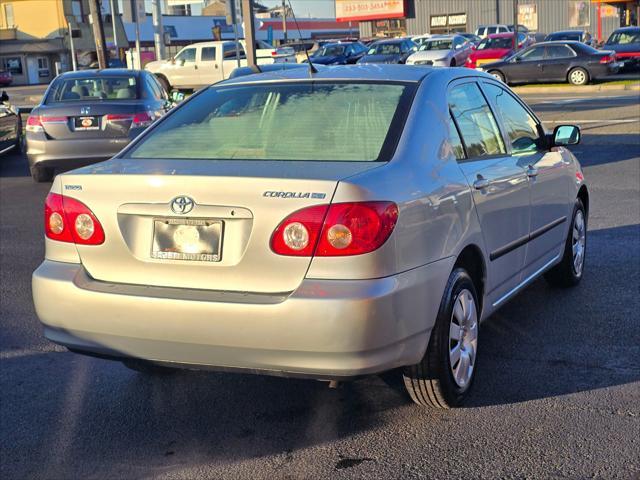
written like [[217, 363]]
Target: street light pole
[[515, 25], [112, 7]]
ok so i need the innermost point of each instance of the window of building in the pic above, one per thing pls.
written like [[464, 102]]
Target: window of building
[[11, 64], [77, 11], [478, 127]]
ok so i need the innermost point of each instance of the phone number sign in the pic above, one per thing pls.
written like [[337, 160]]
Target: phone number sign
[[348, 10]]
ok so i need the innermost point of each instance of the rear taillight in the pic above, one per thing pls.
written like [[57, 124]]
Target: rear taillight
[[35, 123], [607, 59], [136, 120], [335, 230], [69, 220]]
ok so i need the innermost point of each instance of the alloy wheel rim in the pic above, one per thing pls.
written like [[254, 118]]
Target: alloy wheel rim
[[497, 76], [463, 338], [578, 242], [578, 76]]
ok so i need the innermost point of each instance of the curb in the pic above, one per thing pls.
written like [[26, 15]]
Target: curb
[[569, 89]]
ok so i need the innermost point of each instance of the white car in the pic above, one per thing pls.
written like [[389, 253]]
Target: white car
[[442, 51], [204, 63]]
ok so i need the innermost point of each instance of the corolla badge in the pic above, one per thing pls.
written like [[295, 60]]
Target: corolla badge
[[182, 205]]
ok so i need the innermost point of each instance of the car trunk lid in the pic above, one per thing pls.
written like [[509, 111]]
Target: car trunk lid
[[243, 202]]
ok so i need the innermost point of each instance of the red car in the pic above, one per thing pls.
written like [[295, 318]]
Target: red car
[[495, 47], [5, 78]]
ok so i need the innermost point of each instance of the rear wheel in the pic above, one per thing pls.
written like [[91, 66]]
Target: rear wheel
[[497, 75], [569, 271], [41, 174], [453, 62], [19, 135], [444, 376], [147, 368], [578, 76]]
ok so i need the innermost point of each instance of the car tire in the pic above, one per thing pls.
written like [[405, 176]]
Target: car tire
[[434, 382], [41, 174], [148, 368], [19, 136], [165, 83], [569, 271], [453, 62], [497, 75], [578, 76]]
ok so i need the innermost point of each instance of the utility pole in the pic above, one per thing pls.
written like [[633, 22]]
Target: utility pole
[[515, 25], [98, 33], [158, 33], [249, 32], [138, 10], [284, 19]]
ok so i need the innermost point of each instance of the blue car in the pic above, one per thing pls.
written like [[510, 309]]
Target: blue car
[[390, 51], [339, 53]]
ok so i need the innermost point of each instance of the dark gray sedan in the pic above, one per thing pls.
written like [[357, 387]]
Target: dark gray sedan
[[89, 116]]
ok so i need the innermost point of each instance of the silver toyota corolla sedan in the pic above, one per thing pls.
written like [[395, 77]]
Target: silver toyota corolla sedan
[[325, 225]]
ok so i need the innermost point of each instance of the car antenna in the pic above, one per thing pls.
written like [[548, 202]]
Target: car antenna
[[312, 69]]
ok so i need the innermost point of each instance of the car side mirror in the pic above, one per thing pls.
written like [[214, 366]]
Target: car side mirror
[[4, 98], [566, 135]]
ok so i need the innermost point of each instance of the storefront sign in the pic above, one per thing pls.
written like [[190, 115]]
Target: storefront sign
[[457, 19], [348, 10], [528, 16], [450, 20], [579, 13]]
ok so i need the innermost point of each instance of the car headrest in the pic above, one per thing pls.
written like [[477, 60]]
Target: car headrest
[[81, 90], [126, 92]]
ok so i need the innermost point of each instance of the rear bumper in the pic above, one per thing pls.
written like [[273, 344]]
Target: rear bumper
[[71, 153], [325, 329]]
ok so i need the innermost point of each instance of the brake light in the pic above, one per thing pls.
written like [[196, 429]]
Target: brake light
[[69, 220], [35, 122], [471, 63], [607, 59], [339, 229], [140, 119]]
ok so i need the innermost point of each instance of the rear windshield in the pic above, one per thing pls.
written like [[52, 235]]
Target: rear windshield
[[436, 45], [384, 49], [93, 88], [500, 42], [313, 121], [329, 51], [624, 38]]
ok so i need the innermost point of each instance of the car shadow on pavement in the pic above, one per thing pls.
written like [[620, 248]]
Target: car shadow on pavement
[[549, 342]]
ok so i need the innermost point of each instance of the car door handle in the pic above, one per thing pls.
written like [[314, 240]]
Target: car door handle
[[481, 183], [532, 171]]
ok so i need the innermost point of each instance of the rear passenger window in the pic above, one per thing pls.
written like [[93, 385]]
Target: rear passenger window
[[478, 127], [208, 54], [491, 30], [521, 127], [454, 139]]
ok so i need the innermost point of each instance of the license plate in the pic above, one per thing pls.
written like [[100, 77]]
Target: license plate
[[187, 239], [87, 123]]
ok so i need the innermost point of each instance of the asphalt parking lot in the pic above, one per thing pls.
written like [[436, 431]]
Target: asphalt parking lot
[[557, 392]]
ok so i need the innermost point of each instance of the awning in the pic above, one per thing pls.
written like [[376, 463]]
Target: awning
[[17, 47]]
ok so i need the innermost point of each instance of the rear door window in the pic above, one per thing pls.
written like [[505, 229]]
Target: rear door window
[[208, 54], [477, 125], [559, 51]]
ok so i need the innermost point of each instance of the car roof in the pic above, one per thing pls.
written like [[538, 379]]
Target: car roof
[[501, 35], [364, 72], [391, 40], [106, 72], [557, 42], [567, 31], [626, 29]]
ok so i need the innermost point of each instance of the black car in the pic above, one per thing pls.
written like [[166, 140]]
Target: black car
[[572, 62], [574, 35], [339, 53], [626, 43], [10, 125], [389, 51]]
